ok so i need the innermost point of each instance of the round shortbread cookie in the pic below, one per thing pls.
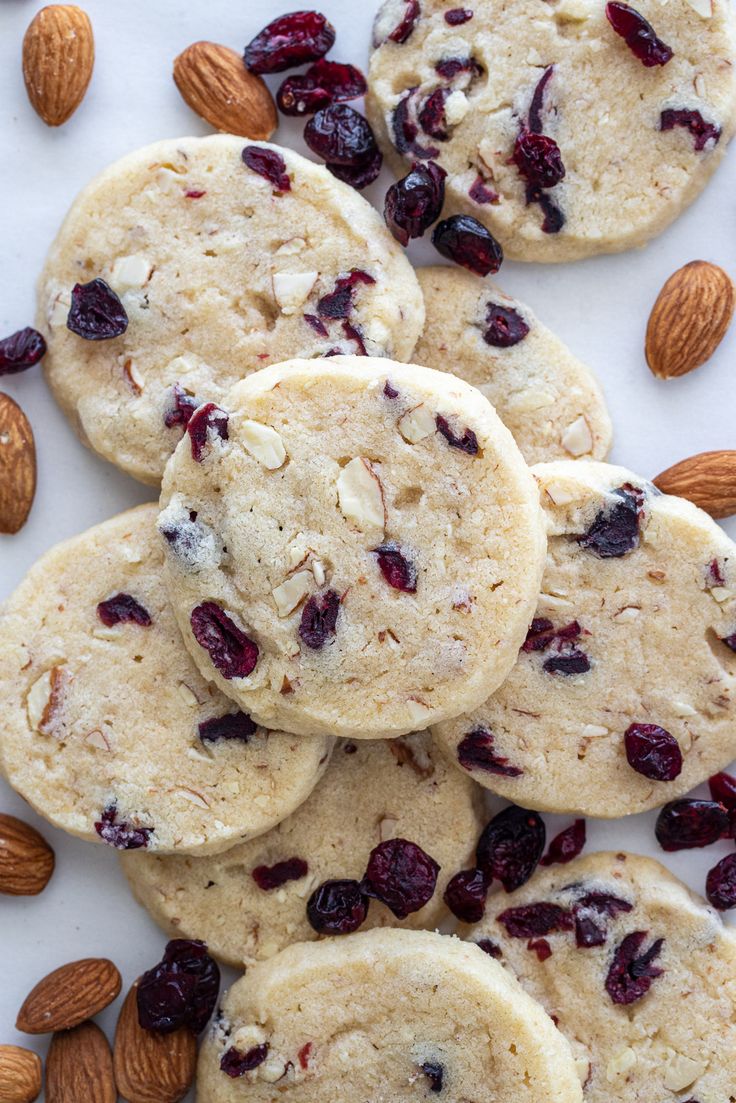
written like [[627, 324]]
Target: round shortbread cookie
[[609, 928], [221, 272], [371, 791], [500, 98], [354, 546], [549, 400], [109, 730], [622, 697], [385, 1015]]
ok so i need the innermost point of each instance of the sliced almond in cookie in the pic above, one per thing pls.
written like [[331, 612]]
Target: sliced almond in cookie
[[360, 495], [292, 592], [264, 444], [417, 424]]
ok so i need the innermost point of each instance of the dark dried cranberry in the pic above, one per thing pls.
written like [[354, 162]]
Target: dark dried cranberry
[[723, 789], [123, 609], [399, 572], [319, 619], [506, 327], [337, 907], [341, 135], [489, 947], [21, 350], [96, 312], [435, 1075], [182, 408], [653, 752], [468, 442], [231, 651], [536, 106], [465, 895], [538, 159], [233, 725], [567, 845], [567, 662], [405, 130], [631, 973], [554, 219], [181, 990], [720, 884], [481, 194], [465, 241], [476, 752], [289, 41], [273, 877], [318, 326], [340, 302], [638, 34], [415, 202], [456, 16], [510, 847], [359, 176], [541, 948], [205, 425], [236, 1063], [590, 913], [407, 13], [354, 334], [542, 633], [450, 67], [324, 83], [270, 165], [702, 131], [532, 920], [401, 875], [432, 116], [615, 530], [730, 641], [118, 833], [686, 824], [389, 391]]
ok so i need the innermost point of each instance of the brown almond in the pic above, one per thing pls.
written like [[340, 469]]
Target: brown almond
[[708, 480], [26, 859], [17, 466], [58, 59], [69, 995], [689, 319], [149, 1067], [79, 1067], [215, 83], [20, 1075]]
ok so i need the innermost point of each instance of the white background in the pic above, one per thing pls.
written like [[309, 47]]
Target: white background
[[599, 307]]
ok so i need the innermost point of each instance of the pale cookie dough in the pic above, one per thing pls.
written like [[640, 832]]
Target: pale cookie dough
[[385, 1015], [109, 730], [676, 1038], [637, 143], [354, 546], [220, 273], [372, 791], [638, 597], [549, 400]]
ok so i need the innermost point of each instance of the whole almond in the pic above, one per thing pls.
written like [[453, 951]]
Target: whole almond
[[17, 466], [149, 1067], [69, 995], [215, 83], [79, 1067], [20, 1075], [58, 59], [26, 859], [689, 319], [708, 480]]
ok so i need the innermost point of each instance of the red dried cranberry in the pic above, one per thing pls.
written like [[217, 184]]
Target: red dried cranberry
[[399, 572], [341, 135], [481, 194], [205, 425], [653, 752], [415, 202], [506, 327], [554, 219], [538, 159], [468, 442], [181, 990], [236, 1063], [541, 948], [319, 619], [231, 651], [615, 530], [730, 641], [450, 67], [340, 302], [638, 34], [273, 877], [476, 752], [270, 165], [686, 824], [96, 313], [123, 609], [406, 12], [318, 326], [233, 725], [465, 895], [510, 847], [405, 129], [324, 83], [567, 662], [456, 16], [353, 333], [194, 194], [21, 350], [536, 106], [489, 947], [590, 913], [702, 131], [567, 845], [720, 884], [532, 920], [289, 41], [359, 176], [389, 390], [337, 907], [401, 875], [465, 241], [631, 973], [435, 1075], [542, 633], [118, 833], [432, 116], [182, 408], [723, 789]]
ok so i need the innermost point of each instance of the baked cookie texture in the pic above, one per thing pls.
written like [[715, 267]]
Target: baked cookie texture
[[221, 272], [387, 1014], [676, 1037], [637, 606], [637, 142], [109, 731], [354, 546], [550, 401]]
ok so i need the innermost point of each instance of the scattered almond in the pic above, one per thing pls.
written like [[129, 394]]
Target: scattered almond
[[17, 466], [79, 1067], [58, 59], [215, 83], [20, 1075], [26, 859], [689, 319], [708, 480], [149, 1067], [69, 995]]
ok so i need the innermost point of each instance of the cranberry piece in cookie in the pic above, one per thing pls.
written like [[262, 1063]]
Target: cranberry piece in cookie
[[207, 424], [269, 164], [235, 1063], [395, 21], [705, 135], [273, 877], [505, 327], [231, 651], [653, 752], [319, 619], [532, 920], [119, 833], [638, 34], [633, 970], [96, 313], [477, 751], [123, 609], [397, 568]]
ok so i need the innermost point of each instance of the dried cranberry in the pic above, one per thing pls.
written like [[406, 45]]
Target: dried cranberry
[[538, 159], [554, 219], [536, 106], [468, 442], [401, 875], [638, 34], [723, 789], [541, 948], [181, 990], [567, 845], [405, 130], [730, 641], [273, 877], [481, 194], [399, 572], [96, 313], [270, 165], [233, 725], [205, 425], [720, 884], [567, 662], [590, 913], [686, 824], [123, 609], [337, 907], [653, 752], [702, 131], [465, 241], [340, 302], [406, 12], [21, 350], [289, 41], [415, 202], [435, 1075], [506, 327], [359, 176], [456, 16], [231, 651], [615, 530], [631, 973], [465, 895], [341, 135], [318, 326], [324, 83], [118, 833], [354, 334], [542, 633], [450, 67], [389, 390], [319, 619], [489, 947], [532, 920], [510, 847], [236, 1063], [182, 408], [476, 752], [432, 116]]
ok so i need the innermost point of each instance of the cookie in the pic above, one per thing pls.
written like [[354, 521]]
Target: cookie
[[372, 791], [353, 546], [226, 256], [551, 129], [549, 400], [385, 1015], [637, 972], [622, 697], [109, 730]]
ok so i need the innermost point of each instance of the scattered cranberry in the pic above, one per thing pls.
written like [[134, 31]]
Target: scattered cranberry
[[554, 219], [685, 824], [401, 875], [432, 118], [273, 877], [337, 907], [233, 725], [536, 106], [318, 326], [456, 16], [542, 633], [590, 913], [231, 651], [489, 947], [481, 194], [304, 1055], [359, 176], [389, 390], [118, 833], [399, 572], [236, 1064], [638, 34], [181, 990], [324, 83], [21, 350], [435, 1075], [615, 530], [476, 752], [182, 408], [465, 895], [702, 132], [206, 424], [194, 194], [506, 327], [270, 165], [465, 241], [720, 884], [405, 129], [415, 202], [289, 41], [319, 619], [96, 313], [538, 159], [541, 948], [450, 67], [730, 641], [354, 334], [532, 920], [468, 442], [123, 609], [567, 845], [653, 752], [341, 135], [631, 974], [568, 663], [510, 847], [406, 12], [340, 302], [723, 790]]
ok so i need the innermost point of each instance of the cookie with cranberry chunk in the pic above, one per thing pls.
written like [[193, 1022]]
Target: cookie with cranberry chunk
[[568, 128], [202, 260], [622, 697], [549, 400], [637, 972], [380, 546], [386, 1014], [109, 729]]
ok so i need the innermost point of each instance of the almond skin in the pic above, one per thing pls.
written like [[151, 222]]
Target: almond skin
[[214, 82], [689, 319], [17, 466], [20, 1075], [149, 1067], [79, 1066], [26, 859], [69, 995], [58, 59], [707, 479]]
